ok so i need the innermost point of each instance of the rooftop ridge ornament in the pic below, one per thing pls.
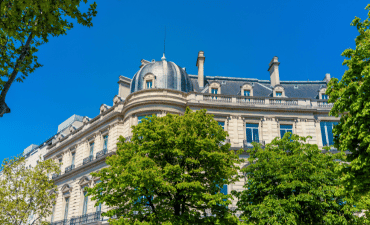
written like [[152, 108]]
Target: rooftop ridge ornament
[[163, 57]]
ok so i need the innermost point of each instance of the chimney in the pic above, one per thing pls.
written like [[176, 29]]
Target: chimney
[[274, 71], [124, 86], [327, 77], [200, 65]]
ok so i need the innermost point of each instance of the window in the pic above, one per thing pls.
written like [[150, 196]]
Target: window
[[247, 93], [222, 124], [149, 84], [98, 208], [60, 164], [252, 133], [66, 209], [327, 132], [279, 94], [285, 129], [52, 214], [73, 158], [91, 148], [214, 91], [323, 96], [105, 146], [86, 199], [224, 190], [140, 118]]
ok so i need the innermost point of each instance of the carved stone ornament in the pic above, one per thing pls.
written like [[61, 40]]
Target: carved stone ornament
[[85, 119], [117, 99], [84, 181], [66, 188]]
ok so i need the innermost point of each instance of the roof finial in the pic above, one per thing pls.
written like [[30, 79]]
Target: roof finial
[[164, 44]]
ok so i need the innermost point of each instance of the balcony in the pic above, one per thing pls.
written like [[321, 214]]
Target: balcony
[[88, 159], [324, 104], [60, 222], [88, 218], [249, 145], [55, 176], [69, 168], [216, 98], [101, 153], [283, 102], [249, 100]]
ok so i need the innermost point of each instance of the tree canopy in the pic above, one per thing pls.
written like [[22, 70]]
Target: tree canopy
[[171, 172], [293, 182], [26, 194], [27, 24], [351, 97]]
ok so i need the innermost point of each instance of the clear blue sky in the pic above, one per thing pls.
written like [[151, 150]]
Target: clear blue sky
[[239, 39]]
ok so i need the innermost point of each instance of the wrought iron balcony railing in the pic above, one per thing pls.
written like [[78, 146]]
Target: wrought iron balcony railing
[[88, 159], [101, 153], [248, 144], [60, 222], [69, 168], [87, 218]]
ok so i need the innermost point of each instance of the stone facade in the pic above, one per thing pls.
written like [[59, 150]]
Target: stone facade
[[264, 107]]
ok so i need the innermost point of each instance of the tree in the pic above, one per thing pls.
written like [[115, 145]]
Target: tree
[[293, 182], [25, 191], [351, 97], [25, 25], [171, 172]]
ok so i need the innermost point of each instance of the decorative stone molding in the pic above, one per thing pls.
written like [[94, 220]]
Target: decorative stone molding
[[84, 181], [117, 99], [72, 129], [66, 188], [104, 108], [86, 119]]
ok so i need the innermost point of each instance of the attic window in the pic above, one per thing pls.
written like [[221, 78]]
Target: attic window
[[223, 82], [252, 84], [295, 86]]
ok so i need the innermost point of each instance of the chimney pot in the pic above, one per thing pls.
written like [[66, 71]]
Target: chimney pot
[[274, 71], [200, 64]]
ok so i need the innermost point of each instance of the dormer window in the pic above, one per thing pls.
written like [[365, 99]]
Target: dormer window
[[214, 91], [149, 84], [278, 91], [149, 80], [247, 90], [322, 93]]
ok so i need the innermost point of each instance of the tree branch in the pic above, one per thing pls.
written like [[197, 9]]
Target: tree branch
[[3, 106]]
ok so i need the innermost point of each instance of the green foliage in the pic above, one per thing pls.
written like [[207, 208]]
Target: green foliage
[[351, 97], [26, 191], [170, 173], [293, 182], [27, 24]]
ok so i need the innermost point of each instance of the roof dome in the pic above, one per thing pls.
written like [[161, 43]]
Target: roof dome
[[166, 74]]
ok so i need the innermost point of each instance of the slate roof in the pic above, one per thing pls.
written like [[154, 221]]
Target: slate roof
[[262, 88]]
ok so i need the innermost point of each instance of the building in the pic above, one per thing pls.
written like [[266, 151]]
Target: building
[[249, 109]]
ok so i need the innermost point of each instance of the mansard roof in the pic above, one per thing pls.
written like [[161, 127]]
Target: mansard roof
[[261, 88]]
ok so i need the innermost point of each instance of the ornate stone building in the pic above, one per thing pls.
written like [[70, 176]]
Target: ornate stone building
[[248, 109]]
